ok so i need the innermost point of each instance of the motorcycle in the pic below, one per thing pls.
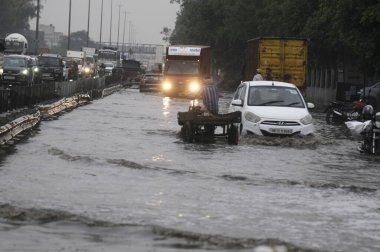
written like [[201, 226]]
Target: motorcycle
[[369, 130], [340, 112]]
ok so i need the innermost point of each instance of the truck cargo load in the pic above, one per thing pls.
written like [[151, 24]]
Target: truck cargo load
[[279, 59], [187, 69]]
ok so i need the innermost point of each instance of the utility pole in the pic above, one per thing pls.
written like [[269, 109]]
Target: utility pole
[[68, 36], [118, 29], [101, 26], [88, 22], [37, 27], [125, 18], [111, 22]]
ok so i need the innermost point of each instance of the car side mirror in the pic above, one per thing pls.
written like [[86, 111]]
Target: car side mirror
[[310, 105], [237, 102]]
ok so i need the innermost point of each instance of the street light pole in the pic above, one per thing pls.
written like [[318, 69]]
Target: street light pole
[[111, 22], [88, 22], [101, 26], [125, 18], [68, 36], [37, 26], [118, 29]]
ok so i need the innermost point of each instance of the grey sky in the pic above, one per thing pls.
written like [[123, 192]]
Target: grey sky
[[147, 16]]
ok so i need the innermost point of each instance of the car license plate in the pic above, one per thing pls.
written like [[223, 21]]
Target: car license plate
[[280, 131], [9, 78], [46, 75]]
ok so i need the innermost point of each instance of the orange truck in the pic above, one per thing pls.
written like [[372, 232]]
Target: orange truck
[[280, 59], [187, 70]]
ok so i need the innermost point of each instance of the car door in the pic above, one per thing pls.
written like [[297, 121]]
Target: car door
[[238, 99]]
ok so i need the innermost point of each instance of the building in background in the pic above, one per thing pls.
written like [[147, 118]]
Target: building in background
[[149, 55], [52, 38]]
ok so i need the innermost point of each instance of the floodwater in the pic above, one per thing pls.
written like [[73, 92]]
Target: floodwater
[[115, 175]]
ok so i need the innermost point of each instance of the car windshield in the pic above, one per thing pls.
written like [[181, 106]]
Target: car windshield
[[48, 61], [14, 62], [274, 96], [182, 67], [108, 64]]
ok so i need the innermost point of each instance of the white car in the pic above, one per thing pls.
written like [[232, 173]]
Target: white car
[[272, 108]]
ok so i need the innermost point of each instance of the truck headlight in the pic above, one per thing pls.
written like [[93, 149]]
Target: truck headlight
[[167, 86], [87, 70], [308, 119], [25, 72], [195, 87], [249, 116]]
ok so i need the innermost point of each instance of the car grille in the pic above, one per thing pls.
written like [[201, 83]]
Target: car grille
[[280, 123]]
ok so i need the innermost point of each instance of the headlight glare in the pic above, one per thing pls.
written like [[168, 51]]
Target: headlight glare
[[249, 116], [308, 119], [194, 87], [1, 71], [36, 70], [25, 72], [166, 86]]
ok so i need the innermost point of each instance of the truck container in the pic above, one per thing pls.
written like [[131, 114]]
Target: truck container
[[187, 69], [15, 43], [280, 59]]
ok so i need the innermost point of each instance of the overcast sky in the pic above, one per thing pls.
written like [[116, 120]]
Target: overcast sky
[[147, 16]]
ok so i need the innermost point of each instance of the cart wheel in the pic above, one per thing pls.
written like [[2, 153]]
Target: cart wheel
[[187, 132], [233, 135]]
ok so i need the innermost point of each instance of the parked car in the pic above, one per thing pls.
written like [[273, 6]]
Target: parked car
[[51, 67], [150, 82], [17, 70], [371, 95], [271, 108]]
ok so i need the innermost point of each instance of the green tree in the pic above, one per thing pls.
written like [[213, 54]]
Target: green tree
[[15, 15]]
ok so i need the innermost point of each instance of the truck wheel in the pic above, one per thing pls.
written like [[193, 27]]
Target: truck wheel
[[233, 135], [187, 132]]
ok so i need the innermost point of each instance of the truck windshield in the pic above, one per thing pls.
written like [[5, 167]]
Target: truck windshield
[[48, 61], [14, 62], [14, 46], [182, 67], [107, 55]]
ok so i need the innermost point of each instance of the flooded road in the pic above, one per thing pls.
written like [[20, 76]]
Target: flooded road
[[116, 176]]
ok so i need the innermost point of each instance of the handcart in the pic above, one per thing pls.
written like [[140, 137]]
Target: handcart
[[199, 124]]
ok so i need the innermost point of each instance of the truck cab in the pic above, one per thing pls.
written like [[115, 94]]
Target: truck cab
[[187, 69]]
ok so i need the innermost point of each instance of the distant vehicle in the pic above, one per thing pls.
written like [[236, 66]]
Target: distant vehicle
[[151, 82], [187, 69], [52, 67], [371, 94], [272, 108], [109, 56], [18, 70], [71, 65], [15, 43], [108, 68], [279, 59]]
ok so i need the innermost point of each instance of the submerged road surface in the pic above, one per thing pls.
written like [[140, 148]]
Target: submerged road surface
[[116, 176]]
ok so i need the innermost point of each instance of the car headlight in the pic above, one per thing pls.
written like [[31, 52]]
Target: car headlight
[[1, 71], [308, 119], [25, 72], [167, 85], [249, 116], [36, 70], [87, 70], [194, 87]]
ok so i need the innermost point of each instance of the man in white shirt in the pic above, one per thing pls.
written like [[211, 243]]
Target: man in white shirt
[[258, 76]]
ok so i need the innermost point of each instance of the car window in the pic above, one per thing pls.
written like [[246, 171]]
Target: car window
[[238, 92], [275, 96]]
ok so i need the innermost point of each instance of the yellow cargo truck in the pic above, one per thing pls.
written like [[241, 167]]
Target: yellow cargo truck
[[280, 59]]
